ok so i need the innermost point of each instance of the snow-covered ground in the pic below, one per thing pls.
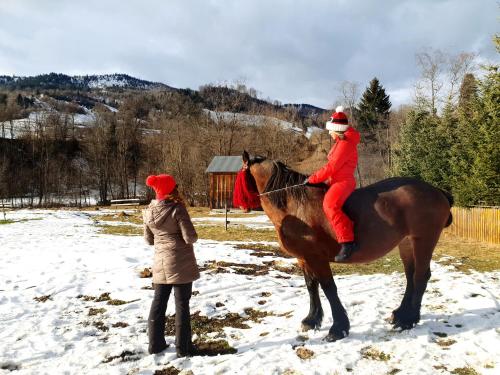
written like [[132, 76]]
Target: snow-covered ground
[[62, 254], [253, 120]]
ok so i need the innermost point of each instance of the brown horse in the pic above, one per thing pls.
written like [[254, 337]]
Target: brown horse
[[396, 211]]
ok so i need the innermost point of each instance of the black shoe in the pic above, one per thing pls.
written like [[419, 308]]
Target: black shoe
[[190, 352], [346, 249], [157, 349]]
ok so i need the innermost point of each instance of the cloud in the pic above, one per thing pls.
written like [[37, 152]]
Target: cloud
[[292, 51]]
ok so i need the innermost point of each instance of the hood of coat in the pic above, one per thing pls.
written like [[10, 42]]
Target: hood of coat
[[352, 135], [157, 212]]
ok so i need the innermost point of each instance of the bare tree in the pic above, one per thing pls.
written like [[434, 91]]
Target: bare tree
[[427, 89], [458, 66], [349, 96]]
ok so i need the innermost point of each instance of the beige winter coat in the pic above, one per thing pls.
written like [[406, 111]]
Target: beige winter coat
[[168, 227]]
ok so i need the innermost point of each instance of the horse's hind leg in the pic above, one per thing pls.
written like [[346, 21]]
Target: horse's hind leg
[[315, 316], [406, 253], [422, 254]]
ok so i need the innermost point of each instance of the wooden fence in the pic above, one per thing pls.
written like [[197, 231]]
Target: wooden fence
[[476, 223]]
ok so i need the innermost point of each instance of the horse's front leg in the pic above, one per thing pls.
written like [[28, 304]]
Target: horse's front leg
[[320, 268], [314, 318], [341, 325]]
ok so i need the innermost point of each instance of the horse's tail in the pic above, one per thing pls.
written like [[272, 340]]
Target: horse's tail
[[450, 201]]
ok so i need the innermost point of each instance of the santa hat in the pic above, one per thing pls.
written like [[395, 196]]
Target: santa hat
[[338, 122], [162, 184]]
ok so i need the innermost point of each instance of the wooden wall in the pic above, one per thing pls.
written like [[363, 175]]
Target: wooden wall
[[476, 223], [221, 189]]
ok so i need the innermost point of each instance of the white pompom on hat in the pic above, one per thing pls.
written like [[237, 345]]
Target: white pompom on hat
[[338, 122]]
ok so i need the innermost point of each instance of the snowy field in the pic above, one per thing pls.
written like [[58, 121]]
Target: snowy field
[[61, 255]]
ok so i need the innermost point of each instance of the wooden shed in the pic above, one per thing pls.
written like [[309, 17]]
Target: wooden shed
[[222, 172]]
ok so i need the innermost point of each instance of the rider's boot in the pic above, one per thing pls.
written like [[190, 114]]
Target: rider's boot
[[346, 249]]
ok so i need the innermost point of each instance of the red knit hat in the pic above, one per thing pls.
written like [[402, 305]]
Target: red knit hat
[[163, 185], [338, 122]]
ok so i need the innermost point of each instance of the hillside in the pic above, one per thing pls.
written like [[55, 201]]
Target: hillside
[[57, 81]]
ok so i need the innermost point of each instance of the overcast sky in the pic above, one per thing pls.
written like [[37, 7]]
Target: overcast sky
[[293, 51]]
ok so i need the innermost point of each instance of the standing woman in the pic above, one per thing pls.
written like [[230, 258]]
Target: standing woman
[[168, 227]]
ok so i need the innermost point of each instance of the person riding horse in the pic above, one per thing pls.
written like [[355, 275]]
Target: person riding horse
[[339, 174]]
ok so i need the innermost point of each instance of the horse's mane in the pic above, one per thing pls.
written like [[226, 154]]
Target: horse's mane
[[281, 177]]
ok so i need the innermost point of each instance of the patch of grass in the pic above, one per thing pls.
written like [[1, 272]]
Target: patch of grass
[[465, 371], [125, 356], [120, 230], [117, 302], [11, 366], [103, 297], [235, 233], [94, 311], [441, 367], [101, 326], [43, 298], [11, 221], [287, 268], [120, 325], [213, 347], [446, 343], [199, 212], [124, 217], [238, 268], [387, 264], [370, 352], [394, 371], [171, 370], [202, 325], [261, 250], [304, 353], [467, 255], [257, 315]]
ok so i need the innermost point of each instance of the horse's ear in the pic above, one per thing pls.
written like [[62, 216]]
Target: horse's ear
[[245, 156]]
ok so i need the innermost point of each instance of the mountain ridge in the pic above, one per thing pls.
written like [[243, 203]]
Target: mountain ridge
[[90, 82]]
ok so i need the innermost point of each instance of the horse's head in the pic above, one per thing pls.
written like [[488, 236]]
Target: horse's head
[[269, 175], [257, 172]]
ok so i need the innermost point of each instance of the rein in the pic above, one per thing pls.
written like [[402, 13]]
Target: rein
[[285, 188]]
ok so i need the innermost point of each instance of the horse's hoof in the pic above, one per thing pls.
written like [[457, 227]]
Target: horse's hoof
[[404, 321], [404, 325], [310, 324], [336, 334], [332, 336]]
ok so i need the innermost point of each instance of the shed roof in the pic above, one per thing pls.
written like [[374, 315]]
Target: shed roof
[[225, 164]]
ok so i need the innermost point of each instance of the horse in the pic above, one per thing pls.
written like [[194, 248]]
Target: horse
[[399, 211]]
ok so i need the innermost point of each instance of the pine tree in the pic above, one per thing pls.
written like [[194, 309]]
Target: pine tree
[[486, 167], [408, 153], [468, 91], [374, 107]]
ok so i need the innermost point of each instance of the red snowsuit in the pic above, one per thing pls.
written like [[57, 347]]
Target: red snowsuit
[[339, 174]]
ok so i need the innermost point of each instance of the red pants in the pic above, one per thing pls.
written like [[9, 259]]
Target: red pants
[[332, 205]]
